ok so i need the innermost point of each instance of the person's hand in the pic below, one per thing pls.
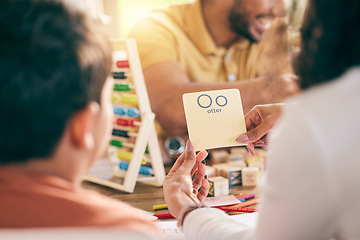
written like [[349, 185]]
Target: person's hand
[[179, 188], [259, 121], [276, 89]]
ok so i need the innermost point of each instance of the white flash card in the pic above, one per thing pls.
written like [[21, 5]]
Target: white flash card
[[214, 118]]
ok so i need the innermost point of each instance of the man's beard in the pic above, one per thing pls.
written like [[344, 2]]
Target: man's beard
[[239, 26]]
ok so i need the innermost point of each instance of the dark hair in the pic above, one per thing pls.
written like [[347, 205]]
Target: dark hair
[[330, 41], [54, 60]]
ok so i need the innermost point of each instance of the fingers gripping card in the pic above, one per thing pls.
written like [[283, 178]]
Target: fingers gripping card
[[214, 118]]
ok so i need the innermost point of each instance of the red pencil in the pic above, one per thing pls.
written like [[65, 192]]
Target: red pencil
[[237, 209], [239, 205], [163, 215]]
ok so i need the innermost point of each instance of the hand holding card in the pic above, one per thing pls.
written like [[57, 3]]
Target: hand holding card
[[214, 118]]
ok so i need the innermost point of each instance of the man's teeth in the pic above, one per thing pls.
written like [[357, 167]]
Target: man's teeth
[[266, 21]]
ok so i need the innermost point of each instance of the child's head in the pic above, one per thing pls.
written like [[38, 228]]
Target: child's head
[[54, 61]]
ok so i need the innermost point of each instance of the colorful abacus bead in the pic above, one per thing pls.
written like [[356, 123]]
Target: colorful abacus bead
[[129, 98], [123, 87], [121, 144], [143, 169], [125, 122], [115, 98], [122, 64], [122, 111], [120, 133], [119, 75], [117, 143], [126, 156], [133, 112]]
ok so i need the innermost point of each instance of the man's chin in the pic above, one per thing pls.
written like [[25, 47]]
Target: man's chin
[[257, 35], [255, 38]]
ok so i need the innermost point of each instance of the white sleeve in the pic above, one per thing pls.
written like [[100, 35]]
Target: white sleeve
[[295, 200], [296, 197], [212, 223]]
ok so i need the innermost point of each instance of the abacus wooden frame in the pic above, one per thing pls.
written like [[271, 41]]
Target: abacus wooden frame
[[147, 133]]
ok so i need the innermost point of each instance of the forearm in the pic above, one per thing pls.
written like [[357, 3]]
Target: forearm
[[167, 103], [253, 91], [167, 82]]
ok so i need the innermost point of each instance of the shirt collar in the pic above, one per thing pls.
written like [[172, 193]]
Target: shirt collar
[[197, 31]]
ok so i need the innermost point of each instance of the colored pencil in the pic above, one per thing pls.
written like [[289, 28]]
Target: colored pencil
[[247, 196], [240, 205], [238, 209], [163, 215], [160, 206]]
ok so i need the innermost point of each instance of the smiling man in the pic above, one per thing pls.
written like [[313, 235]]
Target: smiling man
[[252, 18], [214, 44]]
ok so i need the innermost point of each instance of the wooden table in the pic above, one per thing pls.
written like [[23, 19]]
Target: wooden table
[[145, 196]]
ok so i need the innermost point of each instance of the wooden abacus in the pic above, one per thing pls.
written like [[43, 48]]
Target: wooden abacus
[[134, 138]]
